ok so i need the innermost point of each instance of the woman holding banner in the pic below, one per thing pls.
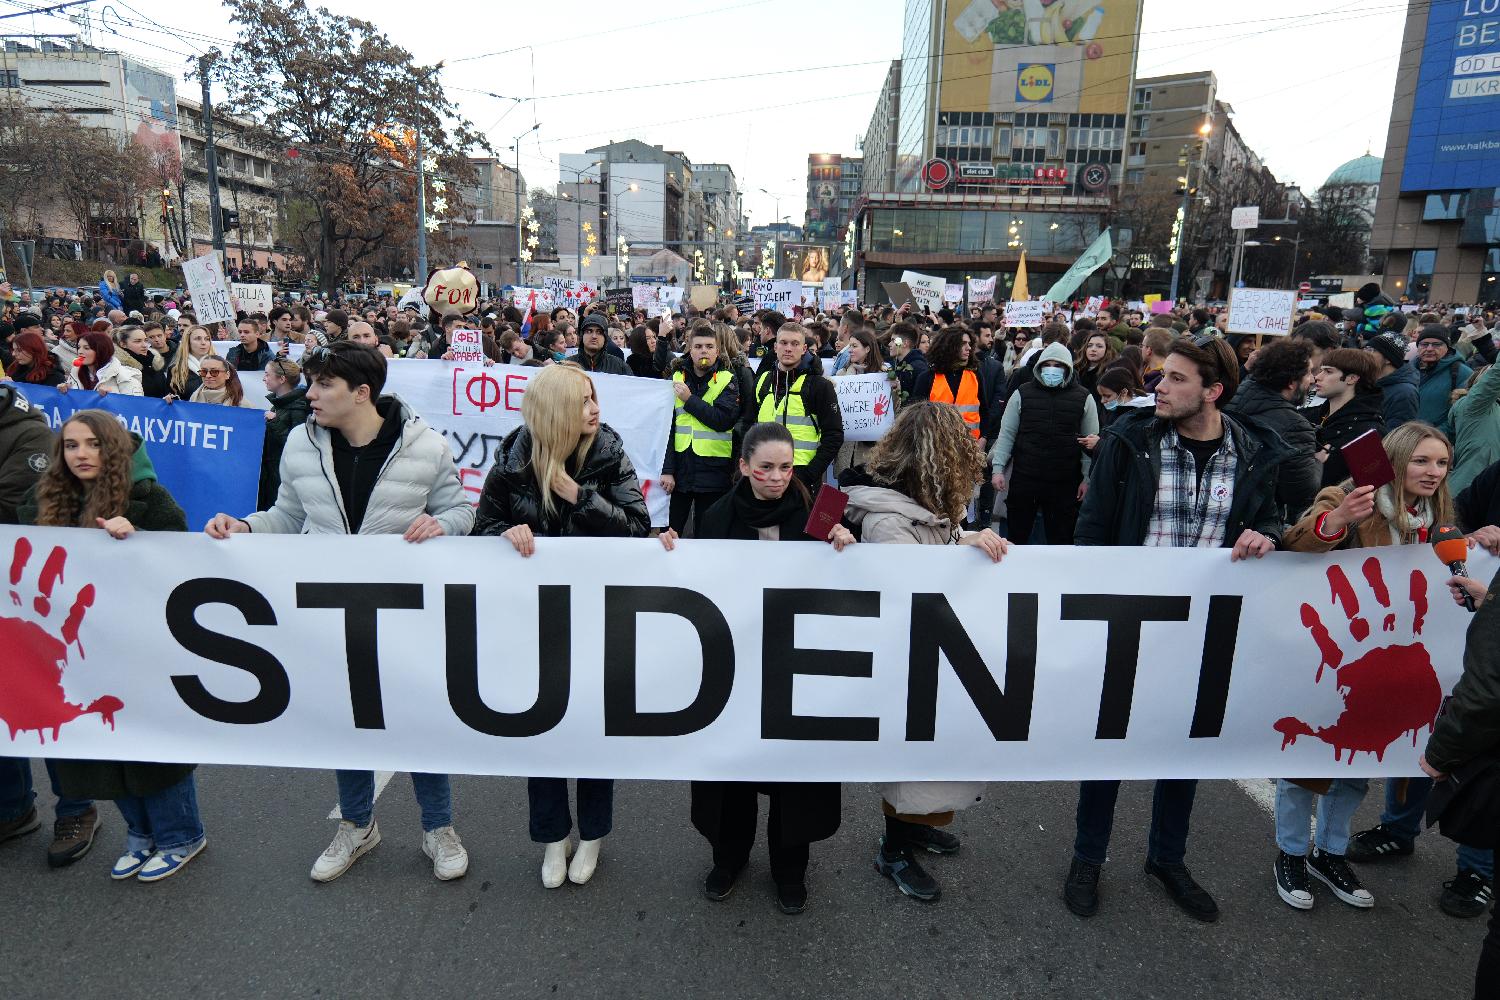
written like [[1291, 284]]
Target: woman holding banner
[[923, 473], [1402, 512], [101, 477], [768, 503], [563, 474]]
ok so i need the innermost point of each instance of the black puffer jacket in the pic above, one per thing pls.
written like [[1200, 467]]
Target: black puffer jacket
[[1122, 482], [1470, 723], [1478, 504], [289, 411], [1297, 482], [609, 504], [1360, 414]]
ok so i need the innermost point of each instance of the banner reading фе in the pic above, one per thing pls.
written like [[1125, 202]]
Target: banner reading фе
[[614, 658]]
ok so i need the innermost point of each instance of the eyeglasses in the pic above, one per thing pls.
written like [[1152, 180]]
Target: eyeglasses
[[206, 372]]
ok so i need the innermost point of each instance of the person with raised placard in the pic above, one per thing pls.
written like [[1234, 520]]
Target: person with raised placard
[[1184, 475], [366, 464]]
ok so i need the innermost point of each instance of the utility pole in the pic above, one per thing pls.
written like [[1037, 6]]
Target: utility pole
[[517, 148], [205, 74], [421, 207]]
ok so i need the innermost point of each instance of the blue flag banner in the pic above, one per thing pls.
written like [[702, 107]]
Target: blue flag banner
[[206, 455]]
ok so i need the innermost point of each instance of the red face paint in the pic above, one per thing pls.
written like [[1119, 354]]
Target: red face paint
[[759, 476]]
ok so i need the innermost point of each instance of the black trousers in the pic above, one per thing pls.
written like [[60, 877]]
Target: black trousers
[[686, 504], [1058, 506], [737, 823], [1487, 976]]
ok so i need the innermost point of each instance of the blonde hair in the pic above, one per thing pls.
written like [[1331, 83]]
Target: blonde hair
[[929, 455], [182, 372], [1400, 444], [111, 280], [552, 409]]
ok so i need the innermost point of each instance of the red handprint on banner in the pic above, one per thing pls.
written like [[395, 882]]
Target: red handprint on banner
[[32, 658], [882, 403], [1388, 691]]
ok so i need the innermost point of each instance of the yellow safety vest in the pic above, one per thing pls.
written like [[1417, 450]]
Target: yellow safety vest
[[791, 414], [690, 432]]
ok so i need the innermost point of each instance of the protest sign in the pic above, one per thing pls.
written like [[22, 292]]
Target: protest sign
[[1307, 303], [238, 655], [926, 290], [808, 297], [466, 345], [570, 293], [205, 283], [669, 298], [833, 284], [252, 298], [1023, 314], [619, 301], [206, 455], [1093, 305], [531, 299], [897, 292], [703, 297], [1150, 300], [780, 294], [1244, 217], [642, 296], [953, 294], [1261, 310], [1411, 307], [1136, 306], [866, 404], [840, 299], [1160, 308], [981, 290]]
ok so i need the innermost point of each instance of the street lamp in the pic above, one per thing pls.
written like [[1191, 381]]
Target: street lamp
[[1204, 131], [516, 145]]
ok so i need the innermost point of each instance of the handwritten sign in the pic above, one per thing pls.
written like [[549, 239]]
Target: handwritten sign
[[569, 293], [669, 299], [865, 401], [619, 301], [1261, 310], [926, 291], [466, 345], [205, 283], [252, 299], [981, 290], [538, 299], [953, 294], [840, 299], [1244, 217], [1023, 313], [780, 294]]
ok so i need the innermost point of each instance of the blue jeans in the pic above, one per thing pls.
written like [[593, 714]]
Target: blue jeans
[[1335, 808], [1405, 821], [550, 819], [17, 794], [1171, 808], [434, 798], [164, 821]]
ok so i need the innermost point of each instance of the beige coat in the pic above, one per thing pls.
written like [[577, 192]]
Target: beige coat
[[1372, 532]]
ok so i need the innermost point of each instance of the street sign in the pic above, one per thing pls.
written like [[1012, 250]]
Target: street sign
[[1244, 217]]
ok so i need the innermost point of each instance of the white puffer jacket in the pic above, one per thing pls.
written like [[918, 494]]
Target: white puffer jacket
[[113, 377], [418, 477]]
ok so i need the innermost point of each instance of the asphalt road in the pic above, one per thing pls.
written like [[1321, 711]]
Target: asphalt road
[[244, 920]]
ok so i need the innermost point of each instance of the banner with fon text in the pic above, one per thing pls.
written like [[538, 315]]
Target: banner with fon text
[[614, 658], [207, 456]]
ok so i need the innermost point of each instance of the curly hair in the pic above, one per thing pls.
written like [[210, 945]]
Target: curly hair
[[929, 456], [64, 500], [943, 355]]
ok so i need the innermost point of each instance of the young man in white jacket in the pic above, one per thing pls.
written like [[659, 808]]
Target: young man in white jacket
[[391, 474]]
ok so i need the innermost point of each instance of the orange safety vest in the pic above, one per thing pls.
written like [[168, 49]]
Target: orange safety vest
[[967, 400]]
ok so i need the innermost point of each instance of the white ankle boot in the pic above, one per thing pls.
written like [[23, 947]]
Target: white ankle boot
[[585, 861], [555, 863]]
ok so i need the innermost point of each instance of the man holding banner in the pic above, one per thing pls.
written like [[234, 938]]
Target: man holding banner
[[393, 475], [1150, 471]]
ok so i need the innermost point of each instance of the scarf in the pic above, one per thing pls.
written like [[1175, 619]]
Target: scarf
[[758, 513], [1408, 523]]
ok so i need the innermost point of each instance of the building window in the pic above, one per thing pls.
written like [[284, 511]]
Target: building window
[[1489, 285], [1419, 277], [1054, 143], [260, 167], [1135, 176], [10, 78], [1446, 207]]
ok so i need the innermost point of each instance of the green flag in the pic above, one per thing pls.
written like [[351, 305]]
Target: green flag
[[1095, 257]]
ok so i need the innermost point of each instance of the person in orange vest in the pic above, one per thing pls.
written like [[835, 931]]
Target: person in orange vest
[[953, 380]]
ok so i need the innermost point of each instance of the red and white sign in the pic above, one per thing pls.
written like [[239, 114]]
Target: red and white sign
[[937, 174], [466, 345]]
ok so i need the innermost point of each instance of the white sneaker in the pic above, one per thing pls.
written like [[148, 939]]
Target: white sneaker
[[449, 859], [348, 845], [555, 863], [585, 861]]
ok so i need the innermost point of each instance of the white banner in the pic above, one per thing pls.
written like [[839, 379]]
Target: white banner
[[953, 294], [614, 658], [570, 292], [981, 290], [1023, 313], [252, 298], [866, 404], [926, 290], [531, 299], [294, 351], [780, 294], [205, 283], [1261, 310]]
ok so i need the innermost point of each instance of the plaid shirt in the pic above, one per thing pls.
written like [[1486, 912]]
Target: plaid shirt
[[1185, 513]]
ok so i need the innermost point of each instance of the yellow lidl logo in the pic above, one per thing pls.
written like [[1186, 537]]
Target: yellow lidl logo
[[1034, 82]]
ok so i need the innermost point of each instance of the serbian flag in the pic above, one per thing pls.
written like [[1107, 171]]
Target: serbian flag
[[526, 323]]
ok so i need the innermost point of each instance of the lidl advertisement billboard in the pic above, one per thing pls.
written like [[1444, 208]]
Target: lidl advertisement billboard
[[1455, 121]]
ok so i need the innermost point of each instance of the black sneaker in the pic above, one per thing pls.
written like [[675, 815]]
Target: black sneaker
[[720, 883], [1333, 871], [1185, 892], [931, 839], [1081, 890], [1291, 881], [21, 825], [910, 877], [1466, 894], [791, 897], [1376, 844]]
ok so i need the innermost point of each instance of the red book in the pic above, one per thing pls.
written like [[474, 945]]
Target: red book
[[827, 511], [1368, 463]]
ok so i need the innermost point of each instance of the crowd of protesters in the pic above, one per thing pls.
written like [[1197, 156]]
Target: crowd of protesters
[[1111, 428]]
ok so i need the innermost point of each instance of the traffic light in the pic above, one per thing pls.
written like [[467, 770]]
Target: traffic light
[[229, 219]]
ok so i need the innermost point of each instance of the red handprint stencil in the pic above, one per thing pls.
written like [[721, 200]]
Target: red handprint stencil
[[882, 403], [31, 691], [1388, 691]]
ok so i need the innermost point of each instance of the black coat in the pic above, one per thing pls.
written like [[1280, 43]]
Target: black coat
[[700, 473], [809, 811], [609, 504], [288, 412], [1299, 476], [1478, 504], [133, 297], [819, 398], [1470, 722], [604, 363], [1360, 414], [1122, 483], [643, 365], [21, 373], [155, 382]]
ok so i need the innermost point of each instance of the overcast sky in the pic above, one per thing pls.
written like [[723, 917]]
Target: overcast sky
[[759, 84]]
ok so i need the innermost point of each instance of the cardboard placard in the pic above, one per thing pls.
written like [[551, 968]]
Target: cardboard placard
[[204, 277], [1266, 311], [981, 290], [898, 292], [253, 298], [703, 297], [926, 290]]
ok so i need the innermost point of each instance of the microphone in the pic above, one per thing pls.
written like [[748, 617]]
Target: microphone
[[1453, 549]]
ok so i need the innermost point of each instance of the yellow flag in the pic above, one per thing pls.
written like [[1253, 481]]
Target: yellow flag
[[1019, 290]]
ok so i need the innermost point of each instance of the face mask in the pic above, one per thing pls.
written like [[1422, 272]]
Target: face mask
[[1111, 404], [1052, 377]]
